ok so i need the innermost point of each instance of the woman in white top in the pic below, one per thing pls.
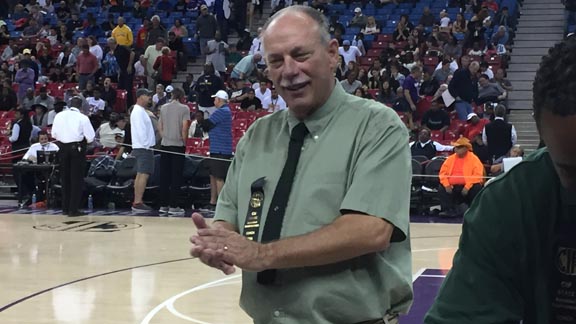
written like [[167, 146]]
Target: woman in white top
[[95, 48], [159, 94], [371, 27], [107, 132]]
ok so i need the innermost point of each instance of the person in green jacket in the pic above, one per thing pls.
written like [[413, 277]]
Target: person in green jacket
[[517, 254]]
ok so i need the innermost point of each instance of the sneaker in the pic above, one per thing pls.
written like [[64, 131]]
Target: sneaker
[[141, 208], [176, 211], [164, 210]]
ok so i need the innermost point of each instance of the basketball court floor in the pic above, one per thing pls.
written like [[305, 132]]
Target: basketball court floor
[[115, 268]]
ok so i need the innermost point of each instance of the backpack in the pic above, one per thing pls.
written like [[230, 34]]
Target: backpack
[[102, 167]]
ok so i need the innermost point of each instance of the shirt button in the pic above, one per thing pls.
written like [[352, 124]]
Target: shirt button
[[276, 313]]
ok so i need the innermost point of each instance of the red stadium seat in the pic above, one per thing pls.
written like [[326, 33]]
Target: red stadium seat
[[240, 124], [431, 61], [450, 135], [436, 135], [194, 142], [379, 44], [387, 38], [373, 52]]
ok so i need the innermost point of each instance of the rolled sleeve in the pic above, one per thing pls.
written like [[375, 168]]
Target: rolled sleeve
[[381, 177]]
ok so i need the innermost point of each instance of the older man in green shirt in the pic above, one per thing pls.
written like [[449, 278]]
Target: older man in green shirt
[[342, 253], [517, 256]]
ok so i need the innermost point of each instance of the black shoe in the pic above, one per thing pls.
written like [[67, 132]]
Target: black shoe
[[77, 214]]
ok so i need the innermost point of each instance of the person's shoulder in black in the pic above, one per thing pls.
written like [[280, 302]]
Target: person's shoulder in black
[[401, 105]]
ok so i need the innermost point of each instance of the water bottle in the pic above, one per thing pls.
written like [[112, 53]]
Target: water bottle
[[33, 200], [90, 202]]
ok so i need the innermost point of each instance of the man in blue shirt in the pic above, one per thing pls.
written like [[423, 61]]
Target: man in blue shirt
[[219, 127]]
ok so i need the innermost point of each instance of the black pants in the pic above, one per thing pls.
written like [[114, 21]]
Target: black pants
[[171, 169], [125, 82], [72, 166], [449, 201]]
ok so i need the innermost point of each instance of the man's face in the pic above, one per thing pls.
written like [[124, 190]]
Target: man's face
[[251, 95], [96, 95], [274, 93], [43, 95], [38, 111], [559, 134], [483, 82], [461, 151], [299, 65], [43, 139], [107, 82], [263, 86], [159, 46], [424, 136]]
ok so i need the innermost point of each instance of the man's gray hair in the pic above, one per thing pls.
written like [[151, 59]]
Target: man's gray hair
[[320, 20]]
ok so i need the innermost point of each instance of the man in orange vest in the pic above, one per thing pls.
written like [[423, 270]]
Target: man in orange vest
[[461, 178]]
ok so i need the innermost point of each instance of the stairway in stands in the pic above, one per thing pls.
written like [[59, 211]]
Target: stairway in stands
[[196, 68], [539, 28]]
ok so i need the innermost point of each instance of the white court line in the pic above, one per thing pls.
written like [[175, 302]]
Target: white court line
[[418, 274], [170, 307], [158, 308]]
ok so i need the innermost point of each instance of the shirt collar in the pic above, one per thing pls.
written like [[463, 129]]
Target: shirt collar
[[498, 118], [319, 119], [74, 109]]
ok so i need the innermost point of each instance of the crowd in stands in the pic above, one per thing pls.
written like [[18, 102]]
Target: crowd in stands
[[440, 64]]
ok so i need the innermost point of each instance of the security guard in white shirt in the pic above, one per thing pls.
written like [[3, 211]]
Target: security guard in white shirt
[[73, 130]]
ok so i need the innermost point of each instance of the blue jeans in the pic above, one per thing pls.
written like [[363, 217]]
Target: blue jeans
[[463, 108]]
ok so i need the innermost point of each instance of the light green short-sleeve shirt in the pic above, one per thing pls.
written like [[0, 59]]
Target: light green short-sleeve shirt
[[356, 158]]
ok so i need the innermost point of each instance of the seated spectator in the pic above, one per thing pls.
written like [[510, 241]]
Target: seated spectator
[[499, 135], [436, 118], [261, 90], [74, 24], [371, 27], [444, 22], [503, 18], [274, 102], [139, 67], [429, 85], [501, 36], [8, 98], [387, 95], [138, 11], [40, 117], [485, 69], [359, 20], [498, 167], [111, 134], [108, 94], [32, 30], [196, 129], [350, 84], [246, 67], [500, 78], [350, 53], [359, 43], [442, 74], [95, 103], [424, 146], [459, 26], [475, 125], [45, 99], [28, 100], [490, 91], [461, 178], [178, 29], [403, 28], [476, 50], [251, 102], [427, 19]]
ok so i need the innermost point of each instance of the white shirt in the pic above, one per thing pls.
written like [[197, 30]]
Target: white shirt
[[138, 69], [71, 125], [143, 136], [349, 55], [95, 105], [514, 137], [257, 48], [51, 116], [261, 95], [273, 105], [155, 98], [31, 153], [439, 147], [453, 66], [444, 22], [97, 51]]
